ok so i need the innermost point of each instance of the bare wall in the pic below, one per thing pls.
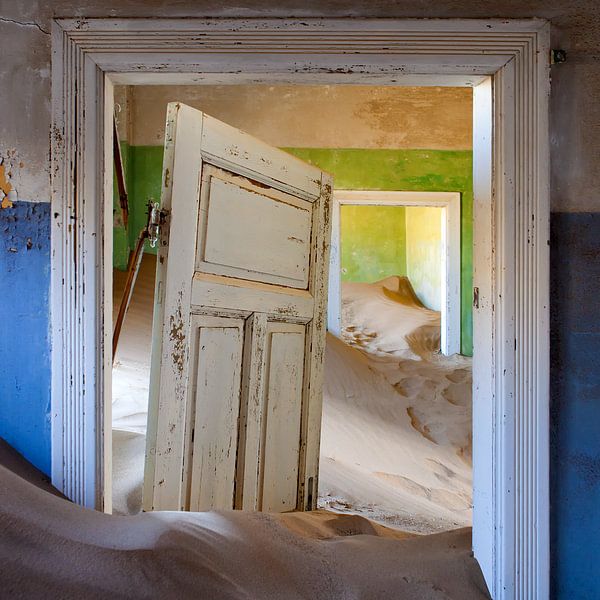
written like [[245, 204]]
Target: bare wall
[[317, 116]]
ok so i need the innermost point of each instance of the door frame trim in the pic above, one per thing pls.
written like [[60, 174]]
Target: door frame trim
[[449, 202], [514, 297]]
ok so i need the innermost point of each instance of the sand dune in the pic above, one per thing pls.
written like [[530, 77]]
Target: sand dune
[[394, 448], [50, 548], [386, 317], [396, 433]]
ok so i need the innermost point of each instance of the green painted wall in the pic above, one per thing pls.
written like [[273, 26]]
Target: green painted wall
[[419, 170], [144, 186], [379, 241], [143, 169], [373, 242], [424, 253], [120, 236]]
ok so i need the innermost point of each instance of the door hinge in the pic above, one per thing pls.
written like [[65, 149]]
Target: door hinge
[[557, 56], [476, 297], [157, 218]]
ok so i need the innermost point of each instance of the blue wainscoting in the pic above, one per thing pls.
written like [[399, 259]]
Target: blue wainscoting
[[575, 408], [24, 330]]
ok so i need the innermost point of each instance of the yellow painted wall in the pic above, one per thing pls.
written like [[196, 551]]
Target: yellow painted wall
[[424, 253]]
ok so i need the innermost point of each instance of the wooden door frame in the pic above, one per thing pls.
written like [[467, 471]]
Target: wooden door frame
[[511, 186], [449, 202]]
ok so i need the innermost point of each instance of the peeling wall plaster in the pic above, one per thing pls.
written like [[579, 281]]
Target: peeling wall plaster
[[575, 116], [316, 116], [10, 168]]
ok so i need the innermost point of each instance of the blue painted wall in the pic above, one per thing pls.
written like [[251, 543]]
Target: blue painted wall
[[575, 376], [575, 408], [24, 324]]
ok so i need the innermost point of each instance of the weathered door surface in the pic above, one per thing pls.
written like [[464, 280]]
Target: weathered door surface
[[239, 323]]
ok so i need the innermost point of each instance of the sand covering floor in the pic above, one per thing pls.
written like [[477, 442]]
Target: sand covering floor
[[50, 548], [396, 433]]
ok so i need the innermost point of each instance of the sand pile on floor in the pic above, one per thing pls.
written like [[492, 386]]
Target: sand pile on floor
[[396, 433], [387, 317], [396, 441], [50, 548]]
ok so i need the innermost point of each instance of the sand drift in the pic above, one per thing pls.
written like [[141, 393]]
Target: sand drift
[[396, 435], [50, 548], [396, 441]]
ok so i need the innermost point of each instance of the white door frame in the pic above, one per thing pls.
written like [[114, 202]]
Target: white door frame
[[449, 202], [511, 201]]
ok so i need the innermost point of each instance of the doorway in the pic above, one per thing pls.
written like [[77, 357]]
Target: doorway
[[444, 296], [511, 383], [327, 112]]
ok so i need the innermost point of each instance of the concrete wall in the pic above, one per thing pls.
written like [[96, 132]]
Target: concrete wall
[[575, 155]]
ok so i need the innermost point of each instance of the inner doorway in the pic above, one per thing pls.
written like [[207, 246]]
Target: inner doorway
[[140, 116], [429, 251]]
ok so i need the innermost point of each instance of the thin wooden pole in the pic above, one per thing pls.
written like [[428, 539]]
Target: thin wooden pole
[[135, 260], [120, 174]]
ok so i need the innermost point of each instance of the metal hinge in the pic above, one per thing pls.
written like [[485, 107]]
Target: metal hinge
[[557, 56], [156, 220], [476, 297]]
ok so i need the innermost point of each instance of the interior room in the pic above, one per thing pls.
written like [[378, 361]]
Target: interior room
[[386, 362], [289, 407], [391, 300]]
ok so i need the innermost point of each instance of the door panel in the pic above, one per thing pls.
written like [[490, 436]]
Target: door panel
[[241, 223], [215, 372], [240, 153], [239, 323], [282, 410]]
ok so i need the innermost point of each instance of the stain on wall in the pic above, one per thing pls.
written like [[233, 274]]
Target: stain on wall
[[6, 188], [318, 116], [24, 335], [575, 408]]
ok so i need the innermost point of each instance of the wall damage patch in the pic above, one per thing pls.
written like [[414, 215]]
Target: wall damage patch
[[8, 194], [5, 188]]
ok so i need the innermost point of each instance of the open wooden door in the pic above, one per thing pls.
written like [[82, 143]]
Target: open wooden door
[[239, 323]]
